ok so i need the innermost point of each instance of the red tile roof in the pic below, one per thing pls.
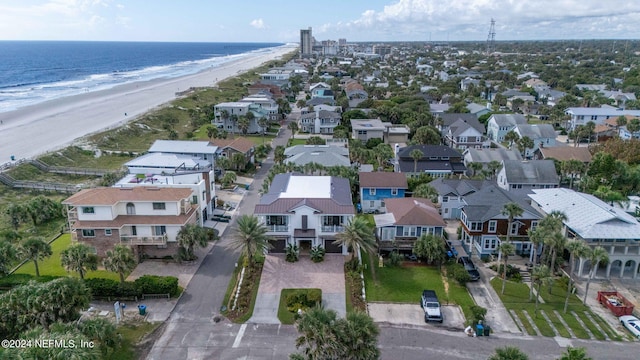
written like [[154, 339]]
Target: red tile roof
[[414, 211], [112, 195]]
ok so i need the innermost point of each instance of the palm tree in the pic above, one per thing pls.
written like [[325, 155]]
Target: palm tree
[[251, 237], [511, 137], [579, 249], [17, 213], [234, 122], [223, 163], [511, 210], [539, 275], [212, 132], [573, 167], [239, 161], [416, 154], [358, 336], [190, 236], [243, 124], [509, 353], [358, 234], [556, 242], [8, 255], [263, 123], [575, 354], [278, 154], [79, 258], [506, 248], [224, 114], [36, 249], [120, 260], [596, 256], [293, 126], [536, 237], [426, 191], [475, 167], [228, 178], [430, 247]]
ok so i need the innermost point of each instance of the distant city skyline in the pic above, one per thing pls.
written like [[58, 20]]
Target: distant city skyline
[[282, 20]]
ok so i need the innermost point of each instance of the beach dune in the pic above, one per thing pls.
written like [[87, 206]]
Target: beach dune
[[34, 130]]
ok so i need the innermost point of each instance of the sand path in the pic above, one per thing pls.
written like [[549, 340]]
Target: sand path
[[34, 130]]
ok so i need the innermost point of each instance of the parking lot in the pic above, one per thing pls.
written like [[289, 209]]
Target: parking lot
[[412, 314]]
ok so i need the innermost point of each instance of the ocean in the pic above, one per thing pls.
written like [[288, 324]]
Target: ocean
[[36, 71]]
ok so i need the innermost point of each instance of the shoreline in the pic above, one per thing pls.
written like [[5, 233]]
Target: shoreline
[[37, 129]]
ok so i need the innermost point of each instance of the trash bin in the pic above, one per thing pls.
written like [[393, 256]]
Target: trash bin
[[246, 187], [479, 330], [487, 330], [13, 158], [142, 309]]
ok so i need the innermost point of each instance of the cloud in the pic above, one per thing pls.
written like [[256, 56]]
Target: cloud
[[470, 19], [258, 24]]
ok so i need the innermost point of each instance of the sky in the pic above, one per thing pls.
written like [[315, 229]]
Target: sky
[[281, 20]]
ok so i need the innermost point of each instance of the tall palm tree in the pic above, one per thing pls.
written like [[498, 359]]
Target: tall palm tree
[[190, 236], [506, 248], [556, 242], [475, 167], [358, 234], [36, 249], [493, 166], [579, 249], [511, 211], [293, 126], [8, 255], [596, 256], [251, 237], [539, 275], [79, 258], [243, 124], [234, 122], [263, 123], [120, 260], [416, 154], [278, 154], [426, 191], [212, 132]]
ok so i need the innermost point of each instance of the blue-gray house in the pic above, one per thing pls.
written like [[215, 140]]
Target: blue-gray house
[[375, 187]]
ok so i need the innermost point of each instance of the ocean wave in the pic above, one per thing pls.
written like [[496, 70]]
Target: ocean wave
[[31, 93]]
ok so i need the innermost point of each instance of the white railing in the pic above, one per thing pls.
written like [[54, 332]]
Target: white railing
[[277, 228], [143, 240], [332, 228]]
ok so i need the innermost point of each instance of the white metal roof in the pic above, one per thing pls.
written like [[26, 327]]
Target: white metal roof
[[183, 147], [310, 187], [162, 160], [588, 216]]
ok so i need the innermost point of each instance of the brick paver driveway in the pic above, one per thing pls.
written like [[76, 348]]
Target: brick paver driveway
[[278, 274]]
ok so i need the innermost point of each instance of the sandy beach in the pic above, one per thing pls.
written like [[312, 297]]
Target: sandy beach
[[34, 130]]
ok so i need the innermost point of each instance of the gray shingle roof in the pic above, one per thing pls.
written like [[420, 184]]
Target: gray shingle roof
[[531, 172], [509, 119], [488, 155], [488, 203], [536, 131], [325, 155], [458, 187], [471, 119]]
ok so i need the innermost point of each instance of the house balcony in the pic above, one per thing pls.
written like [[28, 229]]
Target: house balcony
[[277, 228], [332, 228], [143, 240], [398, 244]]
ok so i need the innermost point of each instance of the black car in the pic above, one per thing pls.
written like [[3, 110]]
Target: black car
[[470, 267]]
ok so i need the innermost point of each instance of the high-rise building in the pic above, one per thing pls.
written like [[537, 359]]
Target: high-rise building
[[342, 42], [306, 42]]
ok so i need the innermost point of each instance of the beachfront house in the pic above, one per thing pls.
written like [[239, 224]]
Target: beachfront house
[[147, 218], [203, 150], [227, 114], [377, 187], [238, 145], [306, 211], [405, 221]]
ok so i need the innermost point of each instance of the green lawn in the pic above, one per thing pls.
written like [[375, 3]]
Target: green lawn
[[293, 142], [131, 335], [516, 297], [52, 266]]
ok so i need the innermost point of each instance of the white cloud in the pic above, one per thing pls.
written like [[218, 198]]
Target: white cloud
[[515, 19], [258, 24]]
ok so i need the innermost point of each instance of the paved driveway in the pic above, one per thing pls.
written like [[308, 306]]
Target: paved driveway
[[279, 274], [412, 314]]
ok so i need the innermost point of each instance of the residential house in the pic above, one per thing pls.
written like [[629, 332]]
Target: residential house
[[463, 135], [485, 156], [582, 115], [437, 161], [597, 223], [325, 155], [499, 125], [259, 88], [377, 187], [365, 129], [406, 220], [238, 145], [355, 93], [479, 110], [543, 135], [321, 90], [147, 218], [306, 211], [444, 121], [226, 114], [173, 170], [438, 108], [484, 224], [262, 106], [319, 122], [321, 101], [564, 153], [397, 134], [203, 150], [277, 76], [524, 176], [451, 193], [467, 82], [532, 83]]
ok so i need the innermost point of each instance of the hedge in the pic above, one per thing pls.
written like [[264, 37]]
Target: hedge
[[154, 284], [14, 280], [147, 284]]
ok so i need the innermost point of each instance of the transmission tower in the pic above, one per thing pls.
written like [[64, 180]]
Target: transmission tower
[[491, 38]]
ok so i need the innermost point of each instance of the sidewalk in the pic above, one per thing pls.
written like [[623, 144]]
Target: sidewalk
[[483, 293]]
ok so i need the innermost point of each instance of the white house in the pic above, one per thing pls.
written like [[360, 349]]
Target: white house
[[196, 149], [306, 211], [499, 125], [524, 176], [543, 135]]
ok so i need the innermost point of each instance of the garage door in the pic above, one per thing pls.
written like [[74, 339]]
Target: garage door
[[278, 245], [330, 247]]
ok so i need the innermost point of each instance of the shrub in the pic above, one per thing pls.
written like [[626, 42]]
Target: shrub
[[14, 280], [478, 313], [111, 288], [317, 254], [395, 258], [458, 273], [291, 253], [353, 265], [303, 299], [153, 284], [513, 273]]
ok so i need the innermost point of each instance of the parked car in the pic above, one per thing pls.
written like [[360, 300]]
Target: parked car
[[451, 250], [431, 306], [632, 324], [470, 267]]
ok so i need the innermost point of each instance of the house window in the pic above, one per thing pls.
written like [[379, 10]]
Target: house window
[[131, 209], [372, 191], [388, 233], [88, 210], [534, 225], [445, 199], [409, 231], [88, 233], [462, 139], [159, 230], [514, 228], [492, 226], [159, 206], [476, 226], [107, 232], [372, 204], [194, 199], [394, 191]]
